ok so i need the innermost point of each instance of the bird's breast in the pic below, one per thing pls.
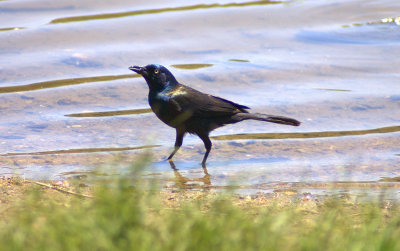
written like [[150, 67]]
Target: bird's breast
[[166, 111]]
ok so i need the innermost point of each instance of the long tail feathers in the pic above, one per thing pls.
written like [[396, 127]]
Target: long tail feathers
[[270, 118]]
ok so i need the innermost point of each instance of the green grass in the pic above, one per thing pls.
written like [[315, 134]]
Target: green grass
[[124, 216]]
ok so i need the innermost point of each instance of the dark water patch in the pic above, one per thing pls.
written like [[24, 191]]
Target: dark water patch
[[379, 33], [157, 11], [66, 102], [205, 77], [36, 9], [110, 113], [203, 52], [37, 127], [307, 135], [191, 66], [63, 82], [26, 97], [395, 98], [324, 37], [82, 150], [12, 137], [109, 95], [367, 107]]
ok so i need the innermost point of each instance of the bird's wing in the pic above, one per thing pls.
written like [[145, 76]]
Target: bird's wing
[[205, 105]]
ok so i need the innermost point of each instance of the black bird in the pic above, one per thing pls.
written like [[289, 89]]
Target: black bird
[[190, 111]]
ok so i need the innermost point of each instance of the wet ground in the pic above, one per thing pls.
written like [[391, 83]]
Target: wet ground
[[69, 104]]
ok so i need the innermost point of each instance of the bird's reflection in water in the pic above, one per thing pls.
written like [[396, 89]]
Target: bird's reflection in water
[[194, 183]]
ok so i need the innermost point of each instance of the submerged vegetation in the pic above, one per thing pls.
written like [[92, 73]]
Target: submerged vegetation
[[125, 213]]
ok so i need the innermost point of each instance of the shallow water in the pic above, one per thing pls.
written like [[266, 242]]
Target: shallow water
[[69, 104]]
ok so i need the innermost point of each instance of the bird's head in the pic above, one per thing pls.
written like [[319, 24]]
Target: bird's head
[[157, 76]]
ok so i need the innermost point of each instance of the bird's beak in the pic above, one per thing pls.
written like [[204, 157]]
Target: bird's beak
[[138, 70]]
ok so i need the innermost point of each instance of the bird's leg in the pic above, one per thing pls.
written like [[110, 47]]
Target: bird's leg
[[208, 145], [207, 177], [178, 142]]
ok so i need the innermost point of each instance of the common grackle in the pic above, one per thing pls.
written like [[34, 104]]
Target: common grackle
[[190, 111]]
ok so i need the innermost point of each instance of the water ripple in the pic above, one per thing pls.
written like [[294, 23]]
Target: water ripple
[[191, 66], [82, 150], [307, 135], [156, 11], [63, 82], [109, 113]]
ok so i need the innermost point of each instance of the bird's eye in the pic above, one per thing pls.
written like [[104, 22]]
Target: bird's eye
[[156, 71]]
